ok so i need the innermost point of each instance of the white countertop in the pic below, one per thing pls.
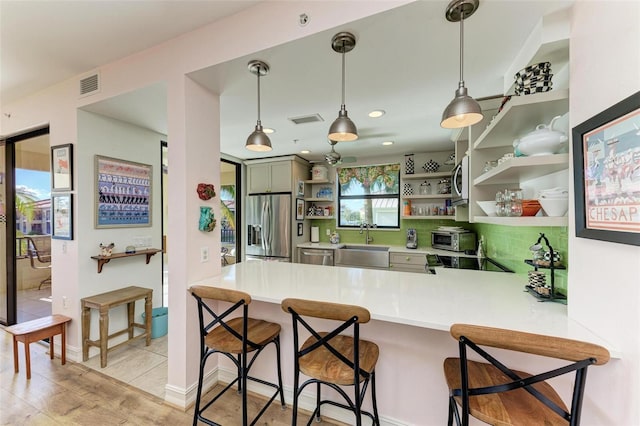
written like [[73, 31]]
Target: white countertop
[[431, 301]]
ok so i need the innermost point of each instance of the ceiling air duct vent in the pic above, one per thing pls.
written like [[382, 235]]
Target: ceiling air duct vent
[[89, 85], [303, 119]]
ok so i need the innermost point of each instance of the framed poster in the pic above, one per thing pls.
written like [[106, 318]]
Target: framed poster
[[300, 188], [606, 162], [123, 193], [62, 167], [62, 216], [299, 209], [300, 229]]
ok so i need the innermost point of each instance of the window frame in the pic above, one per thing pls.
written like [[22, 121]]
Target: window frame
[[366, 197]]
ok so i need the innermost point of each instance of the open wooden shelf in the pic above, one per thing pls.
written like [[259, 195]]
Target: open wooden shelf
[[515, 170], [105, 259], [523, 220]]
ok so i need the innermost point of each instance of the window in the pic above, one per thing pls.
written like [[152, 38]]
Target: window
[[369, 194]]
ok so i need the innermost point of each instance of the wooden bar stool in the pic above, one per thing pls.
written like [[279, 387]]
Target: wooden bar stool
[[497, 395], [234, 338], [333, 359]]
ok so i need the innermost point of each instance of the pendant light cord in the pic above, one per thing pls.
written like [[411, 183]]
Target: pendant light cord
[[343, 68], [461, 83], [258, 74]]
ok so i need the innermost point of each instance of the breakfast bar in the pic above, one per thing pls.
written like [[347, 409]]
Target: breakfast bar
[[411, 315]]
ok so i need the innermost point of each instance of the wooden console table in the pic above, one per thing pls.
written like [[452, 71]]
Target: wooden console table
[[104, 302]]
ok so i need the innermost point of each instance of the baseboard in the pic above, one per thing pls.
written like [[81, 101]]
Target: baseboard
[[184, 398]]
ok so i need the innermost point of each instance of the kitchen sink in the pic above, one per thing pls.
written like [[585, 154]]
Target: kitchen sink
[[362, 256]]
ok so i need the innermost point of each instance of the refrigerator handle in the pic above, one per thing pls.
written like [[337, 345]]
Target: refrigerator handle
[[265, 228]]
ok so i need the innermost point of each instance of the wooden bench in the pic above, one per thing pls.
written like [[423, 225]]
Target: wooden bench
[[38, 329], [103, 303]]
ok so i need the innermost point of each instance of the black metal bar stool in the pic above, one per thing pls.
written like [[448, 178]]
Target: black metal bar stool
[[498, 395], [333, 359], [234, 337]]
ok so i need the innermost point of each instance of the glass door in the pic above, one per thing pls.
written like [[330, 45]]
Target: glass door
[[3, 238], [230, 207], [25, 227]]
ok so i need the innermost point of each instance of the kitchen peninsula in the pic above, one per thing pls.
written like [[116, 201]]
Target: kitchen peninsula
[[411, 315]]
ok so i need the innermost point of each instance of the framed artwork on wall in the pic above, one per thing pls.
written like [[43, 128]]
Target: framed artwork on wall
[[62, 216], [62, 167], [606, 163], [300, 229], [299, 209], [123, 193]]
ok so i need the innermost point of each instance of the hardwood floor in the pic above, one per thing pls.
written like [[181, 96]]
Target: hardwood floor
[[74, 394]]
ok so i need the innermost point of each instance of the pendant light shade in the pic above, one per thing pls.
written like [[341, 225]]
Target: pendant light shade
[[343, 129], [258, 140], [463, 110]]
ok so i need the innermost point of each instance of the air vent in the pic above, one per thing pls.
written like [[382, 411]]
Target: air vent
[[90, 85], [313, 118]]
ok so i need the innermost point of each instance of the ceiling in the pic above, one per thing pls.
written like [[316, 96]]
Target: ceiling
[[406, 62]]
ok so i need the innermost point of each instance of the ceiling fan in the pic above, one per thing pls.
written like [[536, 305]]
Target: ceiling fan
[[334, 158]]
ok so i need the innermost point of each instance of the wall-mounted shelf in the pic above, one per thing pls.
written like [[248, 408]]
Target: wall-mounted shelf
[[318, 181], [524, 220], [521, 115], [442, 217], [319, 200], [433, 175], [426, 197], [105, 259], [523, 168], [318, 217]]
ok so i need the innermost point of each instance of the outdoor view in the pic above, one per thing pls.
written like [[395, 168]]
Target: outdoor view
[[369, 194], [33, 202]]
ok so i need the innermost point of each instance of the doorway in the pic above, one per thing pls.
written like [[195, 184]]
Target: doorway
[[230, 207], [25, 227]]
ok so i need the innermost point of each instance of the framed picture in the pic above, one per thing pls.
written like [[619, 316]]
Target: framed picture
[[606, 156], [300, 188], [123, 193], [299, 209], [62, 216], [300, 229], [62, 167]]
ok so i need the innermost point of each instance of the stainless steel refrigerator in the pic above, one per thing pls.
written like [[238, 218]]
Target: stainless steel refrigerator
[[269, 227]]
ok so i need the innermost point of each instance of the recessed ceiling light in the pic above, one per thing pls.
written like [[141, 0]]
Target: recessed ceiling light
[[387, 143], [268, 130], [377, 113], [305, 151]]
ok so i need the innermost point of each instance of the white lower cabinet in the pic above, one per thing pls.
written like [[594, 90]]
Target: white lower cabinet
[[407, 262]]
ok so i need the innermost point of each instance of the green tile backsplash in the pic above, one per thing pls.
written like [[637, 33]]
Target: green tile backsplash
[[508, 245]]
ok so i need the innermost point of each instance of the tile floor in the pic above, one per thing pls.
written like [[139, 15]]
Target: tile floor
[[143, 367]]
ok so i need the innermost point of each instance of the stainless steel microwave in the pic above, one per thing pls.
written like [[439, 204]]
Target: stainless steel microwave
[[460, 183], [453, 240]]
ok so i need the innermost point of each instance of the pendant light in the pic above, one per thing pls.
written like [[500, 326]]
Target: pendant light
[[343, 129], [463, 110], [258, 140]]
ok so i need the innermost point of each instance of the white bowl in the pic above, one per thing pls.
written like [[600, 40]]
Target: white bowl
[[554, 206], [488, 207]]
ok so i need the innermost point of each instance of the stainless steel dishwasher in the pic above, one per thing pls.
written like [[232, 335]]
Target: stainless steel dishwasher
[[315, 256]]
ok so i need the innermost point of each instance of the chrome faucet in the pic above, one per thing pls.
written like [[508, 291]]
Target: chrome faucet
[[364, 226]]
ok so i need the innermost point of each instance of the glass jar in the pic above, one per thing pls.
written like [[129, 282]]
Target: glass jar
[[501, 204], [425, 188], [515, 202], [444, 186]]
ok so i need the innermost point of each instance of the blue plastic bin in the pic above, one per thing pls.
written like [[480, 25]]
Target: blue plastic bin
[[159, 322]]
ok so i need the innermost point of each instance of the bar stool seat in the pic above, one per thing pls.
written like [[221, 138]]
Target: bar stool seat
[[497, 408], [325, 366], [498, 395], [258, 331]]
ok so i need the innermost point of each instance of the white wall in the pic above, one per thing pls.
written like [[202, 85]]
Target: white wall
[[99, 135], [604, 280]]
